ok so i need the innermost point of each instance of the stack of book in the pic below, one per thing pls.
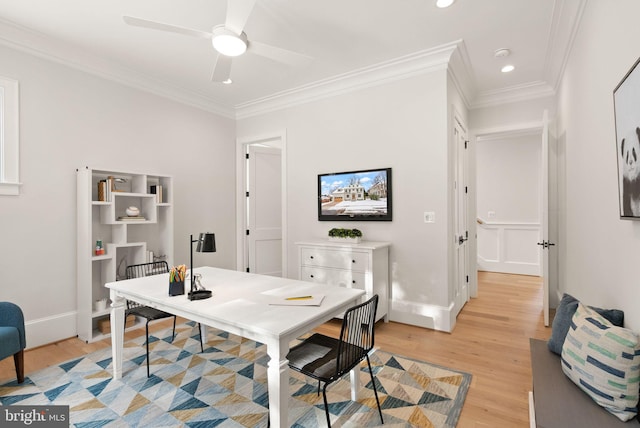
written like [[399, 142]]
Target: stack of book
[[131, 218], [105, 187]]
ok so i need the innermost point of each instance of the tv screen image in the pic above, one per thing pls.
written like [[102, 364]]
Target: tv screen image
[[355, 195]]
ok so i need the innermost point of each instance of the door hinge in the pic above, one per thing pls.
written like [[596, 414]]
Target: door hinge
[[247, 194], [466, 189], [246, 156], [247, 270], [247, 232], [466, 143], [467, 279]]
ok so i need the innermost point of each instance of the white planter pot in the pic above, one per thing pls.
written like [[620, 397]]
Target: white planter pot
[[345, 240]]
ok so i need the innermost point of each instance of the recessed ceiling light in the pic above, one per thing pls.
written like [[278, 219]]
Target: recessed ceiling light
[[227, 82], [507, 68], [444, 3]]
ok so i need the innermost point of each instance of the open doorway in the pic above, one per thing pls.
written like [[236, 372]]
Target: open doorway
[[522, 245], [508, 177]]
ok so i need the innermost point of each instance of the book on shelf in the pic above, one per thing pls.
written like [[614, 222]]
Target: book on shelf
[[156, 189], [102, 190], [109, 188], [131, 218]]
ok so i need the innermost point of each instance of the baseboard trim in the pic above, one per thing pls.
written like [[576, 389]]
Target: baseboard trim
[[51, 329], [516, 268], [423, 315], [532, 411]]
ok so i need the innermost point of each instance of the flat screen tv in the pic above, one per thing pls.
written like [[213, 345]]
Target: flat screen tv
[[363, 195]]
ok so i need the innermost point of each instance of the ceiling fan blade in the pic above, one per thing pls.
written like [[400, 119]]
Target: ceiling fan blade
[[221, 69], [238, 12], [278, 54], [138, 22]]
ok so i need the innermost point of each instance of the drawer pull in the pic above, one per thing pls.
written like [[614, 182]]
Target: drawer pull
[[353, 261], [311, 276], [311, 257], [353, 282]]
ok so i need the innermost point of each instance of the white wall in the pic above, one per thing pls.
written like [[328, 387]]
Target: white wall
[[516, 114], [509, 179], [402, 125], [598, 251], [69, 119]]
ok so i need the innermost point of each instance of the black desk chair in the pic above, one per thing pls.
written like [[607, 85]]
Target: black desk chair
[[147, 312], [327, 359]]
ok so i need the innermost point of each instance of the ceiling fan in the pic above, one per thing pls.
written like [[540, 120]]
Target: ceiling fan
[[229, 39]]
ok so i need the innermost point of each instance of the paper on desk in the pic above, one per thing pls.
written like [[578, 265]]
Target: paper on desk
[[314, 300]]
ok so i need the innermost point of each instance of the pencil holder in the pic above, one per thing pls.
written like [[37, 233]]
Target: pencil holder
[[176, 288]]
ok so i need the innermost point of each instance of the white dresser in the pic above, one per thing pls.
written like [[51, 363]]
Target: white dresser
[[364, 266]]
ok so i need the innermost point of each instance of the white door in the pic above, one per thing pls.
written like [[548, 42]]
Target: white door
[[264, 210], [461, 279], [544, 216]]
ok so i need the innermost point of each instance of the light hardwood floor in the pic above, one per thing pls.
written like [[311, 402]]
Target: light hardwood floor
[[490, 341]]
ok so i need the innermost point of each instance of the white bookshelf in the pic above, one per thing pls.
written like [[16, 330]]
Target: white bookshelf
[[126, 242]]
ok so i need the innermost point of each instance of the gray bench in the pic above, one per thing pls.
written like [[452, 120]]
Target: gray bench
[[558, 402]]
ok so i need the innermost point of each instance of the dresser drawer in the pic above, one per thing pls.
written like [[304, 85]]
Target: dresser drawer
[[340, 278], [334, 259]]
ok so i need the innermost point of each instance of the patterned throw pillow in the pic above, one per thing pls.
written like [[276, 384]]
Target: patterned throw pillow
[[603, 360], [562, 320]]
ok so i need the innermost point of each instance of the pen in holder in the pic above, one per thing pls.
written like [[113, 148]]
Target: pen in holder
[[176, 280]]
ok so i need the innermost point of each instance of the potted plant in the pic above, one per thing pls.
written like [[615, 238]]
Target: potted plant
[[348, 235]]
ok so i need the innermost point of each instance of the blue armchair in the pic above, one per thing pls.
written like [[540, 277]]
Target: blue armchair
[[12, 338]]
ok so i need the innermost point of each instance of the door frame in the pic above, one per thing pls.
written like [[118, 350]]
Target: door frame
[[514, 130], [275, 139]]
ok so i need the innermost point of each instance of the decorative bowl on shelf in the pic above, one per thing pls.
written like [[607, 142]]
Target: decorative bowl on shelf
[[132, 211]]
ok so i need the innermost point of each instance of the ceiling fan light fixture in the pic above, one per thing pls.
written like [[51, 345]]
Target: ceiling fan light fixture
[[228, 43], [444, 3]]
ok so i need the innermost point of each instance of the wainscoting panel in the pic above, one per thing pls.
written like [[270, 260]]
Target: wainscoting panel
[[509, 248]]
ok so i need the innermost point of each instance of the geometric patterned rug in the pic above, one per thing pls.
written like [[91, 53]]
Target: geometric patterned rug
[[225, 386]]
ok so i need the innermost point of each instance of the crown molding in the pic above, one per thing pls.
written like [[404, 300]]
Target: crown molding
[[26, 40], [513, 94], [385, 72], [565, 23], [461, 74]]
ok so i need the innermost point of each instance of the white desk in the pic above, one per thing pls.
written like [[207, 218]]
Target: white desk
[[240, 306]]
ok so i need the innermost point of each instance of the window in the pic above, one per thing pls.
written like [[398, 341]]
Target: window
[[9, 137]]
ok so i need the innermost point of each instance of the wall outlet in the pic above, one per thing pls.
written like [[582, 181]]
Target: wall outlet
[[429, 217], [491, 214]]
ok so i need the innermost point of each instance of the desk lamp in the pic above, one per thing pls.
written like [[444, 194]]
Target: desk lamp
[[206, 244]]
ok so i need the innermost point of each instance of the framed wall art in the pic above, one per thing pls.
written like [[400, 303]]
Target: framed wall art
[[626, 101]]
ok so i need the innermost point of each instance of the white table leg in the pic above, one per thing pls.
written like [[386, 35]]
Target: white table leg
[[355, 382], [278, 384], [204, 333], [117, 333]]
